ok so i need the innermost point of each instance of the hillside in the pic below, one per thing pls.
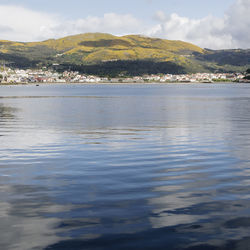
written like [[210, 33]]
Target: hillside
[[100, 53]]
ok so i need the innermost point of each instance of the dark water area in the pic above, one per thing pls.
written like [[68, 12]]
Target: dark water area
[[125, 167]]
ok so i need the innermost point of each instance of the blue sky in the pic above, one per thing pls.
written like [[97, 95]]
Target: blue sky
[[140, 8], [211, 24]]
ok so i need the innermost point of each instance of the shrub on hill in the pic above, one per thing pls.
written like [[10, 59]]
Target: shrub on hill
[[126, 68]]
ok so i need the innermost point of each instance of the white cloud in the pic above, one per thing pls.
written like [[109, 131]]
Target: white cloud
[[18, 23], [231, 31], [207, 32], [109, 23], [22, 24], [238, 23]]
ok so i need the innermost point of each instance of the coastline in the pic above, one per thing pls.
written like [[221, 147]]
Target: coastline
[[119, 83]]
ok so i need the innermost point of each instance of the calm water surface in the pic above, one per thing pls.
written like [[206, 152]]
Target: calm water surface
[[125, 167]]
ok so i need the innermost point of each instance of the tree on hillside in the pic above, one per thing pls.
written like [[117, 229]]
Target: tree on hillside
[[1, 78]]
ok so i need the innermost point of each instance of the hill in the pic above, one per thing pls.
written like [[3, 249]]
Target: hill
[[105, 54]]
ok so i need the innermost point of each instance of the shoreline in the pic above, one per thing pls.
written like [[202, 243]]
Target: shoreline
[[118, 83]]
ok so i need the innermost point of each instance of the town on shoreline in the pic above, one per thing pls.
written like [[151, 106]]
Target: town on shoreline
[[19, 76]]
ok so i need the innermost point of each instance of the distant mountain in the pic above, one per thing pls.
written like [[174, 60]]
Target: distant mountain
[[105, 54]]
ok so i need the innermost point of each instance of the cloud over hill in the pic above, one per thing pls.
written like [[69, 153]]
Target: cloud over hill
[[229, 31]]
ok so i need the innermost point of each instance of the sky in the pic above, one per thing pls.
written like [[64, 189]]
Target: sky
[[214, 24]]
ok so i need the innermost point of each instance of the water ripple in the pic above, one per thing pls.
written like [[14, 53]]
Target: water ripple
[[124, 167]]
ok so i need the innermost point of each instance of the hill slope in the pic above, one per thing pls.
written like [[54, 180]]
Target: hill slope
[[90, 50]]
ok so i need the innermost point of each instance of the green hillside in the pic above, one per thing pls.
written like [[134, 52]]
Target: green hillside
[[87, 51]]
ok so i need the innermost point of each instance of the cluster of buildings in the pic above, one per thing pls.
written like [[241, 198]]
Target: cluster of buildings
[[192, 78], [45, 76], [9, 75]]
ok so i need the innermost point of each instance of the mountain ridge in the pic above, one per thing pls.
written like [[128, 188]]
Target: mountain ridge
[[88, 49]]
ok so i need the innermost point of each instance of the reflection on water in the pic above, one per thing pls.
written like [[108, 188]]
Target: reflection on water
[[125, 167]]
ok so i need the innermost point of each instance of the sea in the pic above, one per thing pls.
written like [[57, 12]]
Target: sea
[[137, 166]]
